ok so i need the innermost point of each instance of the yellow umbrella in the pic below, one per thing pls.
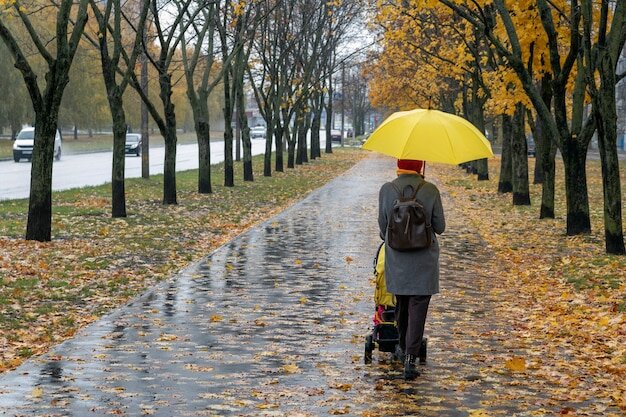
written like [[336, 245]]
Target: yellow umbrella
[[429, 135]]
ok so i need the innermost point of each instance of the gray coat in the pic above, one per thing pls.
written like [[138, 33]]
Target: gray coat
[[415, 272]]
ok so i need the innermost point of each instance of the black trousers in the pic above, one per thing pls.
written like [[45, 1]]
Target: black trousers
[[411, 313]]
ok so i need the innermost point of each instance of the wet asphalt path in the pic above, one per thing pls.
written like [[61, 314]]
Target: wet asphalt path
[[265, 315], [273, 324]]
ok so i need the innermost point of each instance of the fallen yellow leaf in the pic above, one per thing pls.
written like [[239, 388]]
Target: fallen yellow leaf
[[37, 392], [340, 411], [342, 387], [479, 413], [291, 368], [516, 364]]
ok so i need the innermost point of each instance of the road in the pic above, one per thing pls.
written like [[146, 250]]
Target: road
[[74, 171]]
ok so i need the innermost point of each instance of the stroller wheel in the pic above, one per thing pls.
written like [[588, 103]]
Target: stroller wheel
[[423, 350], [369, 348]]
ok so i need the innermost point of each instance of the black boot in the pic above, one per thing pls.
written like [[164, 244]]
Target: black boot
[[399, 354], [410, 370]]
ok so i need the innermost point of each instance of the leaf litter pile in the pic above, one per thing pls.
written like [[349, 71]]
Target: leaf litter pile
[[95, 263]]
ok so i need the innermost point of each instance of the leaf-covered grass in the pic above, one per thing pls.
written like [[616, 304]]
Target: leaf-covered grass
[[580, 259], [568, 295], [95, 263]]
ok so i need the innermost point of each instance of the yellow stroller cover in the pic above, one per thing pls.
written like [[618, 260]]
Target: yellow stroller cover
[[381, 296]]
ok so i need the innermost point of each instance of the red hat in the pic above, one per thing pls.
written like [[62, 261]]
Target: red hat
[[411, 165]]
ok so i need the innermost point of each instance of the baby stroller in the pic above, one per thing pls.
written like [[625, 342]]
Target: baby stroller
[[385, 333]]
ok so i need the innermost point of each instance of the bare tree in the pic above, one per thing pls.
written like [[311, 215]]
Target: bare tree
[[118, 65], [202, 76], [236, 29], [168, 33], [272, 50]]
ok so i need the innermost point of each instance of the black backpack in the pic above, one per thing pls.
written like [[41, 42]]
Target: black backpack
[[408, 227]]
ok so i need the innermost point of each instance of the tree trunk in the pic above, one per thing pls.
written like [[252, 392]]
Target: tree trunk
[[291, 146], [545, 152], [329, 116], [75, 132], [538, 174], [298, 129], [145, 132], [115, 97], [521, 192], [482, 169], [316, 124], [118, 188], [303, 128], [477, 117], [39, 225], [229, 174], [279, 135], [245, 132], [574, 160], [606, 118], [203, 135], [267, 157], [237, 135], [169, 166]]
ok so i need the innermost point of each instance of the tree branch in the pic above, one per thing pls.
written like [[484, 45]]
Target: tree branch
[[33, 34]]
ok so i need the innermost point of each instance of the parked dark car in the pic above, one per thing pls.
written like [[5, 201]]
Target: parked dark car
[[335, 135], [133, 144]]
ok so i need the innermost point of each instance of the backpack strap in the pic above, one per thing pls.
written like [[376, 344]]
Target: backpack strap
[[417, 190], [401, 194]]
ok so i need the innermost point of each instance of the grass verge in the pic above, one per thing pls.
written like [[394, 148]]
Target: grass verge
[[95, 263]]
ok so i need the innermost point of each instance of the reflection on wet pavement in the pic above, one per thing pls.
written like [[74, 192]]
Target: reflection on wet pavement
[[273, 323], [261, 323]]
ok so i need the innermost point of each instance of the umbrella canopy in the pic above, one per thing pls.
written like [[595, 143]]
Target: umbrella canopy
[[429, 135]]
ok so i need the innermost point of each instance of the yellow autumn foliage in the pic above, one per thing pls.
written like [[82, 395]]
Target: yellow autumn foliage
[[428, 52]]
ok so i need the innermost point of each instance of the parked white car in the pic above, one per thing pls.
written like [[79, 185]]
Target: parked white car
[[23, 145], [257, 132]]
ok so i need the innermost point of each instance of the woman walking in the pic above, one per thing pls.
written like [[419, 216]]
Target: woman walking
[[411, 275]]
